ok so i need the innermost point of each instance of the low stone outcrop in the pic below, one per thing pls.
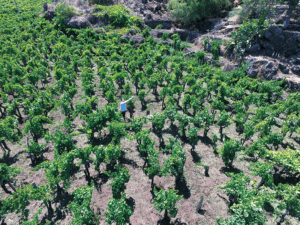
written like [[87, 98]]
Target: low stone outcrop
[[153, 22], [48, 11], [78, 22], [183, 34]]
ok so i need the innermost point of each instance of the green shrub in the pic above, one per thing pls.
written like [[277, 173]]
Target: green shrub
[[189, 11], [251, 8], [165, 36], [206, 42], [118, 15], [215, 49], [246, 35], [64, 10]]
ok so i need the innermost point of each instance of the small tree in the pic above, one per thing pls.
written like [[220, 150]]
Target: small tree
[[166, 200]]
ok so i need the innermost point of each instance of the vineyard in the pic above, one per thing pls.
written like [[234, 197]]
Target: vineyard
[[198, 145]]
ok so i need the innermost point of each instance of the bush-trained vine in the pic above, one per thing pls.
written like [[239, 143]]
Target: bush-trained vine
[[71, 151]]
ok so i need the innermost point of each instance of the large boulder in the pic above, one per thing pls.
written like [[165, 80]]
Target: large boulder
[[275, 36], [296, 70], [284, 69], [77, 22], [138, 40], [165, 21], [183, 34], [99, 20], [255, 66], [270, 70], [253, 49]]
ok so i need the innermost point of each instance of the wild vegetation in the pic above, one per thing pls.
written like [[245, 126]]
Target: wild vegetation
[[60, 91]]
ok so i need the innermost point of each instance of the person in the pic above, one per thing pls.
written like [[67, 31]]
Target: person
[[123, 106]]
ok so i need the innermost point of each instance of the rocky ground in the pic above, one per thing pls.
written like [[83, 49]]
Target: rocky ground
[[275, 56]]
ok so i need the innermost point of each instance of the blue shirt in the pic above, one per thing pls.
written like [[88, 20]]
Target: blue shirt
[[123, 107]]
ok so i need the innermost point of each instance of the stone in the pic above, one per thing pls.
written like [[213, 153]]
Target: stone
[[270, 65], [49, 15], [151, 9], [132, 31], [158, 7], [282, 66], [77, 22], [286, 71], [142, 9], [270, 70], [254, 48], [296, 70], [126, 37], [148, 16], [138, 40], [267, 45], [254, 66], [45, 7], [275, 36], [154, 23], [296, 61], [93, 19]]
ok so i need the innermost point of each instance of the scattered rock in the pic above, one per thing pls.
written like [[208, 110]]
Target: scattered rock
[[270, 70], [138, 40], [254, 48], [78, 3], [296, 70], [45, 7], [286, 71], [183, 34], [142, 9], [267, 45], [151, 9], [296, 61], [166, 24], [158, 7], [132, 31], [77, 22], [148, 16], [49, 15], [126, 37], [282, 66], [93, 19], [254, 66]]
